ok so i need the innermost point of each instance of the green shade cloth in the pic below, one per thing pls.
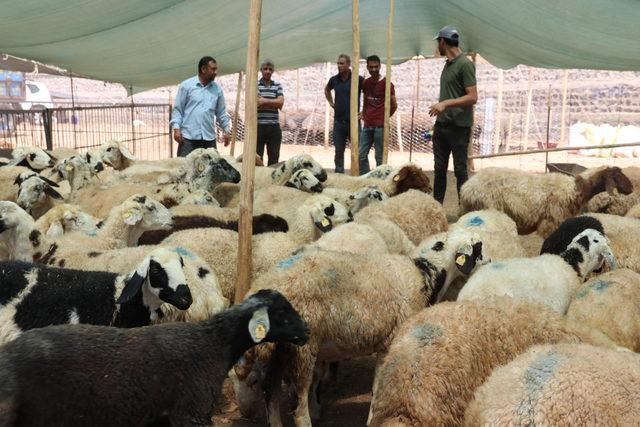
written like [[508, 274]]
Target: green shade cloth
[[151, 43]]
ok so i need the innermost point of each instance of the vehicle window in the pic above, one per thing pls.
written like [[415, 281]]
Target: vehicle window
[[33, 88], [15, 89]]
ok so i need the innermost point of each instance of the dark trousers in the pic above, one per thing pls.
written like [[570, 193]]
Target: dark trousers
[[271, 136], [449, 139], [341, 134], [188, 145], [369, 137]]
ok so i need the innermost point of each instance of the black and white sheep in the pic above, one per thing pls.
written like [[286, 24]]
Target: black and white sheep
[[166, 374], [35, 296], [15, 226]]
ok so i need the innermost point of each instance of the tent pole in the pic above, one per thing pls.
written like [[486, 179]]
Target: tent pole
[[546, 154], [387, 86], [528, 116], [355, 80], [498, 128], [327, 111], [565, 85], [234, 135], [245, 226], [399, 131]]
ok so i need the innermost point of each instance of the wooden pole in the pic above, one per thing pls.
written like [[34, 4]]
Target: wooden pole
[[297, 89], [565, 86], [327, 110], [498, 126], [418, 85], [546, 154], [399, 131], [470, 164], [245, 228], [387, 86], [355, 80], [528, 116], [73, 110], [234, 135], [413, 109]]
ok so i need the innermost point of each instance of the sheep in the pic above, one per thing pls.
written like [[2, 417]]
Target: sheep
[[94, 158], [219, 247], [200, 197], [162, 374], [561, 384], [36, 194], [117, 155], [339, 295], [15, 227], [261, 224], [442, 354], [623, 234], [609, 303], [400, 180], [356, 201], [66, 218], [634, 212], [123, 227], [40, 296], [76, 170], [547, 279], [34, 158], [281, 174], [379, 172], [8, 175], [614, 204], [418, 214], [538, 202], [304, 180]]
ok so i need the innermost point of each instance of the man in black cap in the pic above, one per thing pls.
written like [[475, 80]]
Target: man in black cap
[[454, 111]]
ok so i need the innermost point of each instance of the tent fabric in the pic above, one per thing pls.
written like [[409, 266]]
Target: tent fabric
[[11, 63], [151, 43]]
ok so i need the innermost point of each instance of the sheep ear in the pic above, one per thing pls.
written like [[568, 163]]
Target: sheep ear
[[259, 325], [468, 256], [133, 284], [610, 260], [609, 184], [132, 216], [290, 184], [52, 193], [322, 221], [48, 181], [55, 230], [125, 152]]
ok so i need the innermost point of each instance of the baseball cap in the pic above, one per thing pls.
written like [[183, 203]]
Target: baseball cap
[[448, 33]]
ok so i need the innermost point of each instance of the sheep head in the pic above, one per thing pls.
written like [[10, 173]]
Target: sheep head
[[380, 172], [34, 158], [301, 161], [144, 213], [588, 251], [364, 197], [325, 212], [33, 191], [12, 216], [409, 177], [116, 154], [304, 180]]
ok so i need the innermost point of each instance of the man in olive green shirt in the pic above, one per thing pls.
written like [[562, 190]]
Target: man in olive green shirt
[[454, 111]]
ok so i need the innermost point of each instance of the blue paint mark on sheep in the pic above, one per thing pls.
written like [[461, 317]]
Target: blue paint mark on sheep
[[497, 265], [332, 275], [535, 378], [182, 252], [476, 221], [286, 263], [600, 286], [92, 233], [426, 334]]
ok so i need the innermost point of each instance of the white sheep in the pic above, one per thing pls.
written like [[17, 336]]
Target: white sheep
[[300, 161], [15, 226], [397, 182], [117, 155], [548, 279], [538, 202], [562, 384], [66, 218], [36, 194], [76, 170], [34, 158], [340, 296]]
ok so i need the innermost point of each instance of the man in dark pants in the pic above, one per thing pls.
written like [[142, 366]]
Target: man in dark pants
[[199, 103], [341, 84], [270, 100], [454, 111], [373, 114]]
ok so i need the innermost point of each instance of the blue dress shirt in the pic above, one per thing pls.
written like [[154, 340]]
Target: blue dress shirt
[[197, 108]]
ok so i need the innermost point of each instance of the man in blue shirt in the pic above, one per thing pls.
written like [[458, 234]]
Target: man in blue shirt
[[341, 84], [199, 103]]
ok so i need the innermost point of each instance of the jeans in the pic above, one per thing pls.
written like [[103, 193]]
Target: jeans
[[188, 145], [271, 136], [449, 139], [341, 134], [369, 137]]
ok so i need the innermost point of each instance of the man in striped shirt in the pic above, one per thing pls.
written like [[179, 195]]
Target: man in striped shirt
[[270, 100]]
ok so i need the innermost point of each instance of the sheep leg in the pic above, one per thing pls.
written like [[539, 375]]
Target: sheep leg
[[303, 363], [379, 359], [320, 373], [272, 391]]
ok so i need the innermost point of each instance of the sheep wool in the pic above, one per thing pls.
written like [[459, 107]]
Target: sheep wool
[[561, 384]]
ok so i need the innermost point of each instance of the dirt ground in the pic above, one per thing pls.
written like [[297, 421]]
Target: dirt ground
[[346, 401]]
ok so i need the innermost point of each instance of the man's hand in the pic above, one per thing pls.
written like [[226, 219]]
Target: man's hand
[[177, 136], [261, 101], [225, 139], [437, 109]]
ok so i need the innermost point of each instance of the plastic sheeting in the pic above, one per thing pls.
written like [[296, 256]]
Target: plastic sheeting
[[150, 43]]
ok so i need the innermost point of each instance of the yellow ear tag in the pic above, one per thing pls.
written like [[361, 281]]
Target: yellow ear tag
[[127, 215], [200, 167], [260, 332], [69, 168], [324, 222], [461, 259], [396, 178]]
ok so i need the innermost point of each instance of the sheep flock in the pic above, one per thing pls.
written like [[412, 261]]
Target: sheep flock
[[118, 276]]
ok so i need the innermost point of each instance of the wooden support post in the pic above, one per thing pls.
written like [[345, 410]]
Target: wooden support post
[[327, 110], [565, 86], [418, 85], [234, 135], [133, 129], [470, 163], [387, 86], [498, 125], [355, 80], [73, 110], [399, 131], [528, 115], [546, 154], [245, 226]]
